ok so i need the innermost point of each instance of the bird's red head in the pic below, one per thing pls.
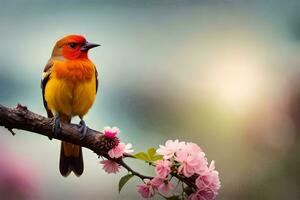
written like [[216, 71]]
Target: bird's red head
[[72, 47]]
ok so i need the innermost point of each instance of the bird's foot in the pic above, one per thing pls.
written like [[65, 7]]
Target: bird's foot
[[56, 127], [82, 129]]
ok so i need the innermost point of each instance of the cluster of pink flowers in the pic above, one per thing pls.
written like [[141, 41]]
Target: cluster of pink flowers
[[188, 160], [116, 152], [183, 158]]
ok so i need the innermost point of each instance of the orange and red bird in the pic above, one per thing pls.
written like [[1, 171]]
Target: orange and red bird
[[69, 84]]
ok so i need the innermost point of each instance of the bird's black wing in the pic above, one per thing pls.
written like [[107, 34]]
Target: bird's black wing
[[45, 78]]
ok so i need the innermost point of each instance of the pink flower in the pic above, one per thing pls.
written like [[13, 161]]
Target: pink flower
[[111, 132], [162, 168], [110, 166], [190, 162], [170, 148], [120, 149], [193, 148], [156, 182], [162, 185], [203, 194], [117, 151], [146, 190], [209, 179], [166, 187]]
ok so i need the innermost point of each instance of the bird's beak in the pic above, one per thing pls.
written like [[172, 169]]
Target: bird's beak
[[88, 45]]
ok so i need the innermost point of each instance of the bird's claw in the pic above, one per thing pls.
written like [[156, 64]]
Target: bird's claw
[[82, 129], [56, 127]]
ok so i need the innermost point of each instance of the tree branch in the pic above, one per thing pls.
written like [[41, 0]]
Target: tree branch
[[23, 119]]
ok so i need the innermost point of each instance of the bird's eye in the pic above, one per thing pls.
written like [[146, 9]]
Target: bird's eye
[[73, 45]]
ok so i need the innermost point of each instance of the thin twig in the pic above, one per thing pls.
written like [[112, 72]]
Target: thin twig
[[143, 177], [10, 130]]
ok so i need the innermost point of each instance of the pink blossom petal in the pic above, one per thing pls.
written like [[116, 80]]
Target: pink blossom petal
[[192, 160], [193, 148], [117, 151], [111, 132], [205, 194], [110, 166], [156, 182], [165, 188], [128, 148], [170, 148], [145, 190], [162, 168], [209, 179]]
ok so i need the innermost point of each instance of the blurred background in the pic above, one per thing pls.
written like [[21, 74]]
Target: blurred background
[[223, 74]]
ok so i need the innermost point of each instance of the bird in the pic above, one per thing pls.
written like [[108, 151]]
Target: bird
[[69, 86]]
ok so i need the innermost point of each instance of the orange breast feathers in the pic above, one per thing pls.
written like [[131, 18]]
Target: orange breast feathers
[[75, 70]]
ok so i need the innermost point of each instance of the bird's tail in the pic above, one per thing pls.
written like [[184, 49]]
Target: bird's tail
[[70, 157]]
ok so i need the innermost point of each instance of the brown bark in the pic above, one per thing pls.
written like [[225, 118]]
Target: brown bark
[[23, 119]]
